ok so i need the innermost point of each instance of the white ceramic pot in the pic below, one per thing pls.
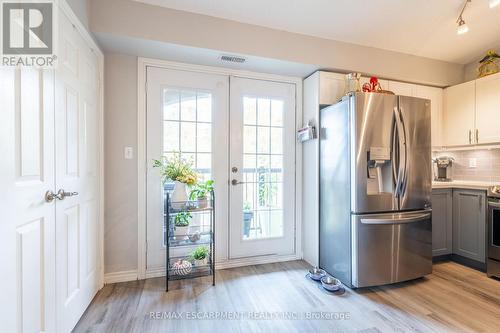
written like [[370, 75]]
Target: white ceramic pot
[[201, 262], [202, 202], [179, 196], [180, 231]]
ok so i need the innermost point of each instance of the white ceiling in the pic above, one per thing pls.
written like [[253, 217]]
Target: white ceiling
[[419, 27]]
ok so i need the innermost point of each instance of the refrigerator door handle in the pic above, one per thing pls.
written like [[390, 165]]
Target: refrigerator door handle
[[395, 219], [400, 141], [394, 154], [404, 179]]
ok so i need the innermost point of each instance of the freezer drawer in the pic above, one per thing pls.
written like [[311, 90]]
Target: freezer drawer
[[389, 248]]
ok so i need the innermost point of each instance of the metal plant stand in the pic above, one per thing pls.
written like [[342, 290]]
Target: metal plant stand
[[176, 267]]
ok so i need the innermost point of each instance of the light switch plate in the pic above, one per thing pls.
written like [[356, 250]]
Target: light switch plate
[[472, 162], [128, 153]]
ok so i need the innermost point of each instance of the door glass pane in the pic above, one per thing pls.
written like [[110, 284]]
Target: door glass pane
[[187, 129], [188, 105], [171, 104], [262, 168]]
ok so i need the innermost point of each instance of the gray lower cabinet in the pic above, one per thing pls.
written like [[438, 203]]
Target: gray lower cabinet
[[442, 222], [469, 224]]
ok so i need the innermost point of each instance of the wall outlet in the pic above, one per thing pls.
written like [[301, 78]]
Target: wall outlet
[[128, 153], [473, 162]]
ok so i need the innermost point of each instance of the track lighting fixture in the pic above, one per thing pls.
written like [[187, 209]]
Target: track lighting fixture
[[462, 27]]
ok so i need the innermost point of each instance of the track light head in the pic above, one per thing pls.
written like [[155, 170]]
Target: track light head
[[462, 27]]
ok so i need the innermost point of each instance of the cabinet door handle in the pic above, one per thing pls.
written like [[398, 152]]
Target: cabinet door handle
[[470, 136], [477, 135]]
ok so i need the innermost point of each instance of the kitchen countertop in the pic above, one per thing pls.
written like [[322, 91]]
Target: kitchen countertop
[[465, 184]]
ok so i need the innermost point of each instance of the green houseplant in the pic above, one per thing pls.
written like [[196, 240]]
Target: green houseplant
[[179, 170], [200, 193], [181, 223], [199, 256]]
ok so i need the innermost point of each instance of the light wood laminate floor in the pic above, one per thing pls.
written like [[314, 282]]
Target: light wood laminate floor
[[452, 299]]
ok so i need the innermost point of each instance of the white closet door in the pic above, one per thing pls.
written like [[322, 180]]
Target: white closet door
[[76, 147], [27, 222]]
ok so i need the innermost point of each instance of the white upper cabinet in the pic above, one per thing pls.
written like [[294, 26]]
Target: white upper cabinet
[[459, 114], [403, 89], [435, 95], [331, 87], [471, 112], [487, 109]]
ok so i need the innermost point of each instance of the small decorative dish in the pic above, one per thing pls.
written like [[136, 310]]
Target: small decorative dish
[[330, 283], [316, 273]]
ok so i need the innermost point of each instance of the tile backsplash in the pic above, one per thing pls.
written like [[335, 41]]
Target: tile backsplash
[[487, 164]]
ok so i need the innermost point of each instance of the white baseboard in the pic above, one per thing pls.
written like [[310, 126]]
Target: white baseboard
[[231, 263], [131, 275], [155, 272], [122, 276]]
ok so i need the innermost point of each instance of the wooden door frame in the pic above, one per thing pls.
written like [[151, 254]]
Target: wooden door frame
[[142, 64], [63, 5]]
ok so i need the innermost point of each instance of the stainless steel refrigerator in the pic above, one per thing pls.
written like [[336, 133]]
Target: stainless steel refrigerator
[[375, 189]]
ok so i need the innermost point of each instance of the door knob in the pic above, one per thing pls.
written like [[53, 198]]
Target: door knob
[[235, 182], [62, 194], [50, 196]]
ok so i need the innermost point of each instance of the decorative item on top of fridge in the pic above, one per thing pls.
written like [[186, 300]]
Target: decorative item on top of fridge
[[352, 83], [489, 64], [375, 87]]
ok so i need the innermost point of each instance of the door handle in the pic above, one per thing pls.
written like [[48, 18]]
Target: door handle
[[235, 182], [401, 140], [477, 135], [63, 194], [51, 196], [470, 136]]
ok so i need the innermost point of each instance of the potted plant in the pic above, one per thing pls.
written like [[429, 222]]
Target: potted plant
[[199, 256], [181, 223], [200, 192], [178, 170], [247, 218]]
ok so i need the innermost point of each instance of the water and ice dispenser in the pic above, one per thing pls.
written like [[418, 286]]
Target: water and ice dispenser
[[379, 170]]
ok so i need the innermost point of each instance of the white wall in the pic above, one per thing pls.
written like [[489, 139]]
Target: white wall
[[470, 70], [120, 130], [80, 8], [137, 20]]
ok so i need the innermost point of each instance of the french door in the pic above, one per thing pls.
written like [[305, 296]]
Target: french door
[[238, 132], [186, 114], [262, 168]]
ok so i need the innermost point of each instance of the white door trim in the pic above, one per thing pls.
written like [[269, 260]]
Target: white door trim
[[100, 117], [142, 64]]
